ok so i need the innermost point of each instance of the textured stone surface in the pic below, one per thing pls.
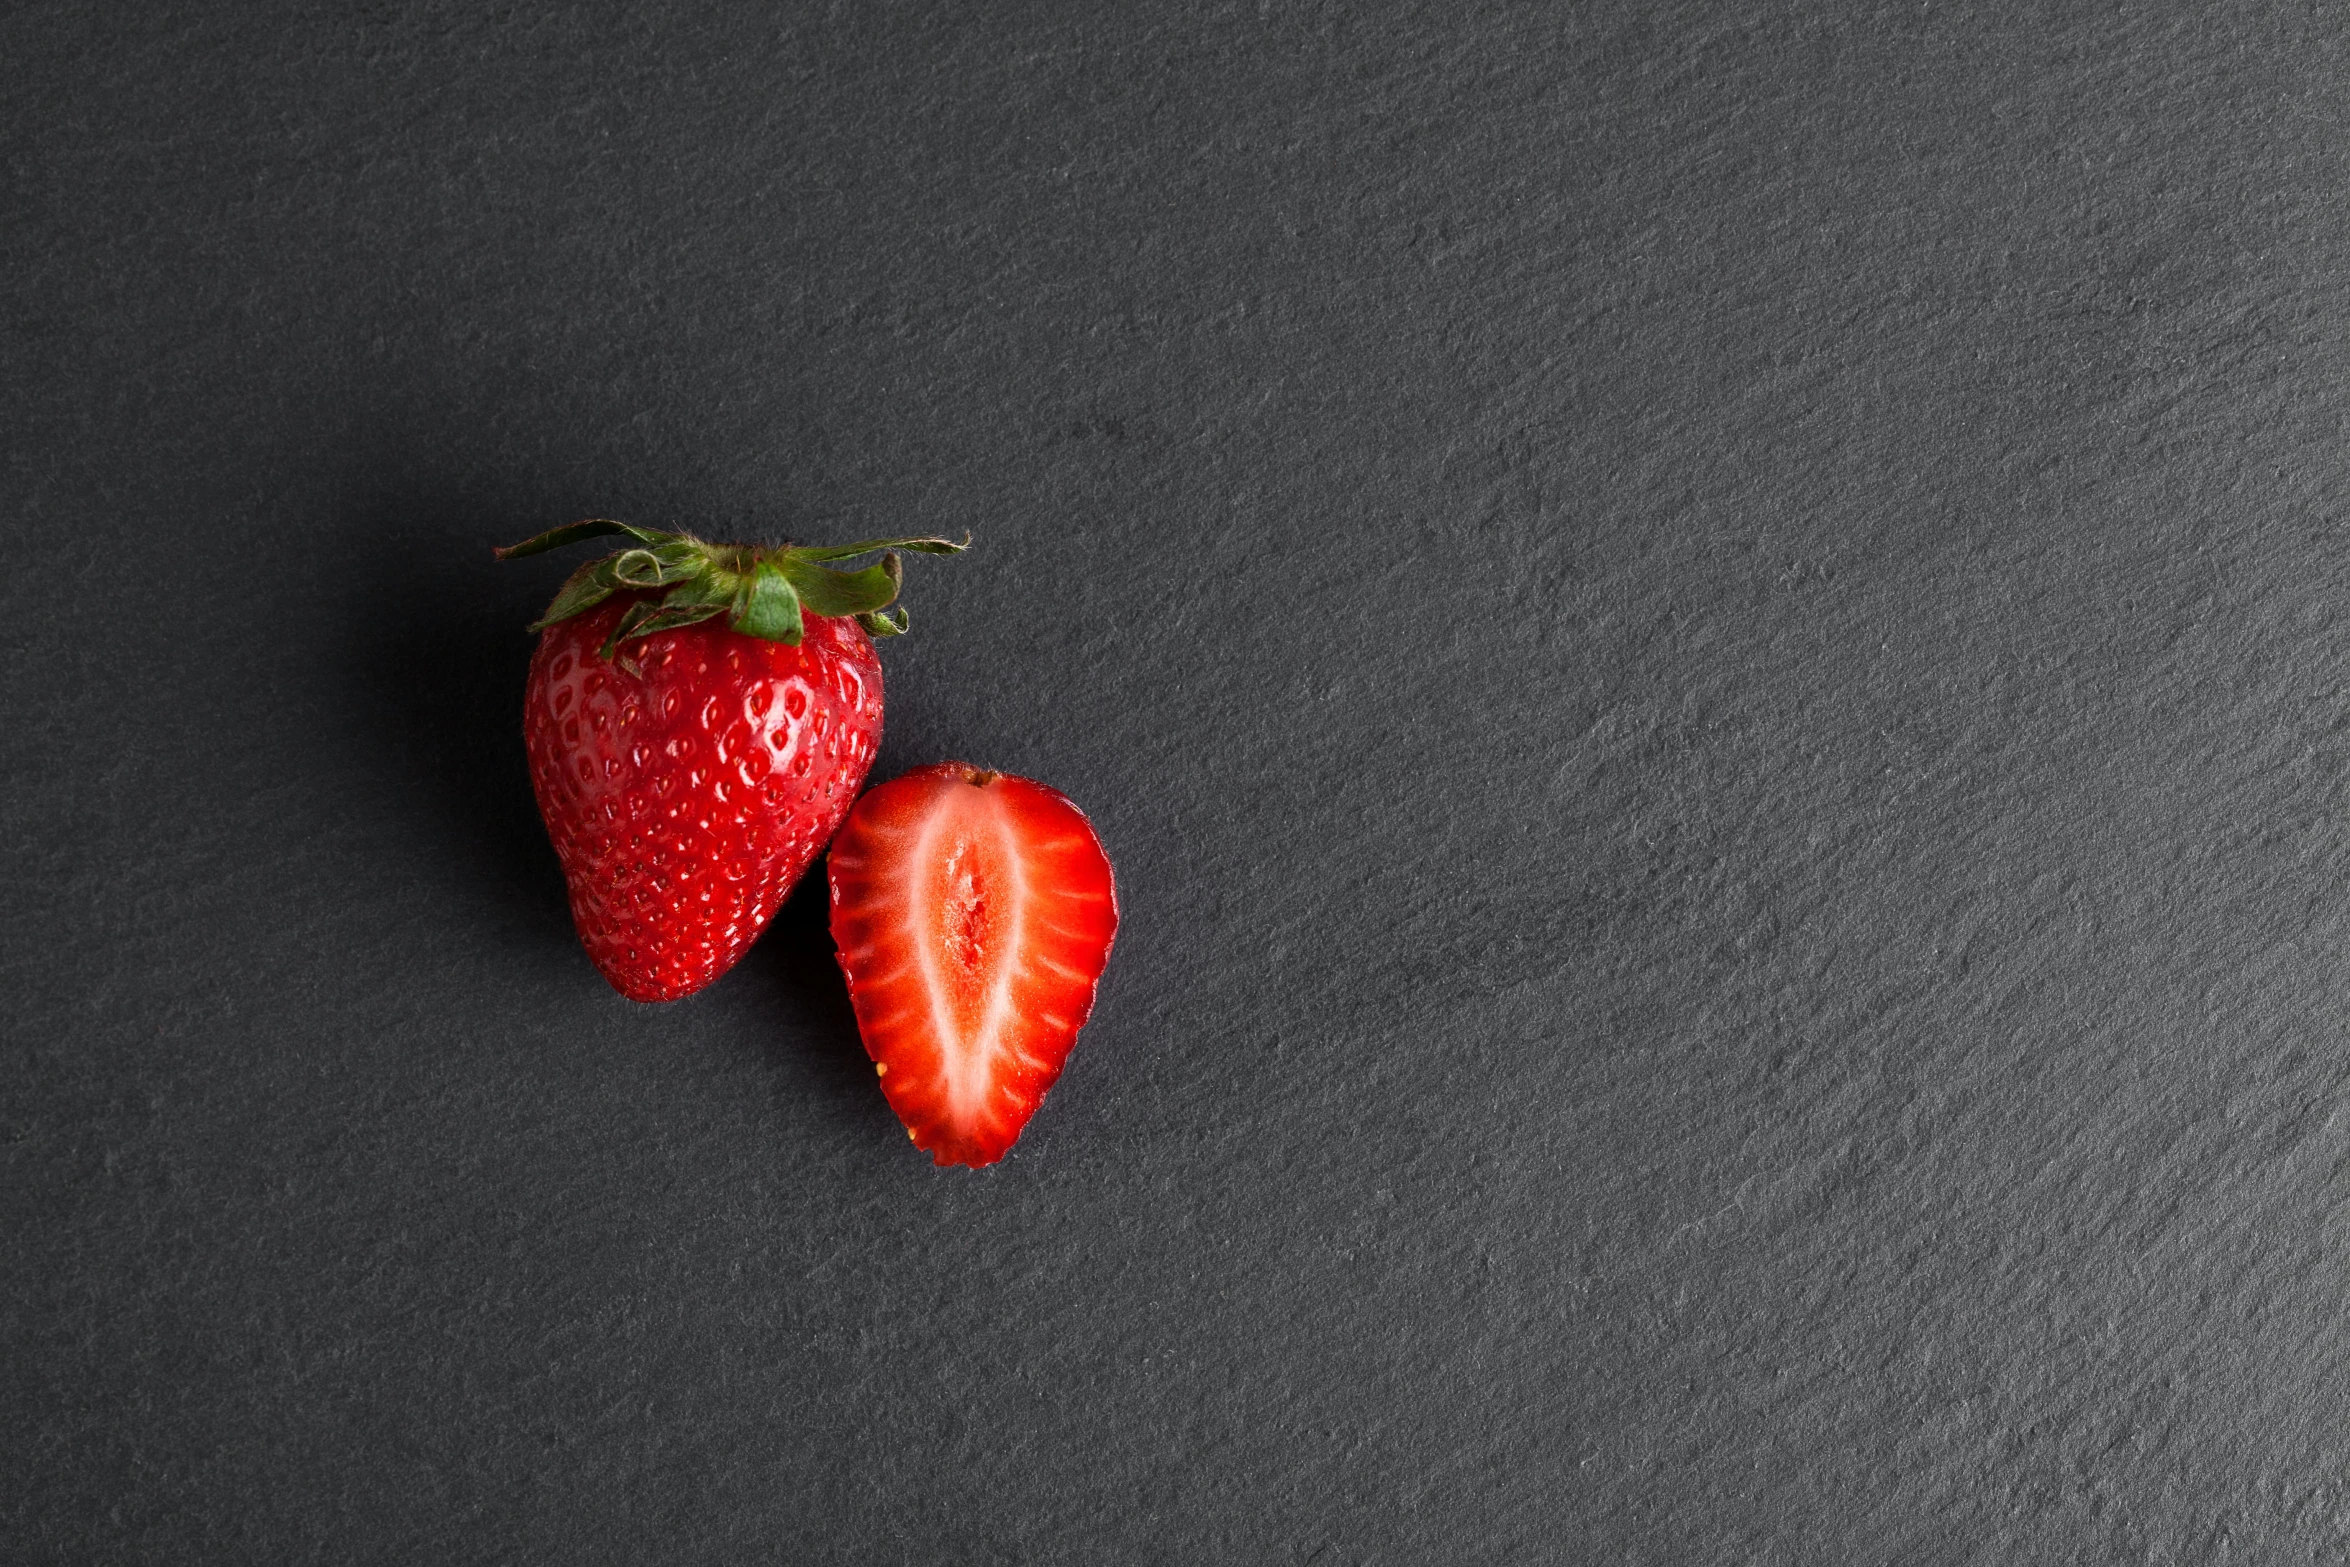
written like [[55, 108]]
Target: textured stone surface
[[1708, 638]]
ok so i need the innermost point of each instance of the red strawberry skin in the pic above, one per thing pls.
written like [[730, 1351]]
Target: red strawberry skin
[[685, 799], [974, 913]]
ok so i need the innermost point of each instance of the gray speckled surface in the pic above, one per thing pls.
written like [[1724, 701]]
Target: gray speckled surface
[[1709, 641]]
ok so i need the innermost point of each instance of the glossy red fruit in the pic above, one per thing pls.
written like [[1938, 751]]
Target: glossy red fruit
[[973, 912], [685, 798], [688, 766]]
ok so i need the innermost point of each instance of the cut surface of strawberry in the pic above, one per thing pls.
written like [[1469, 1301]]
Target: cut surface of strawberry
[[973, 912]]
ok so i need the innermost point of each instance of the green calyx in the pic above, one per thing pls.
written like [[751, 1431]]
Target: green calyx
[[763, 592]]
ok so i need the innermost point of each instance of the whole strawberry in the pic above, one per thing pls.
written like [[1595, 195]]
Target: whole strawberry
[[699, 717]]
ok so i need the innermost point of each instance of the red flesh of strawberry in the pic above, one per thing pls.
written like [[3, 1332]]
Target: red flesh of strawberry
[[684, 800], [973, 913]]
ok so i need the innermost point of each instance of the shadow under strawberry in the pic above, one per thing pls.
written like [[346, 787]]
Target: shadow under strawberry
[[797, 980], [439, 675]]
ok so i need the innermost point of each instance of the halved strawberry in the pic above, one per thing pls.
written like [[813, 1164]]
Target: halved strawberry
[[973, 913]]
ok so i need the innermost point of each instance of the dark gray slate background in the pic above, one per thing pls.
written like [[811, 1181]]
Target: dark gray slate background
[[1709, 639]]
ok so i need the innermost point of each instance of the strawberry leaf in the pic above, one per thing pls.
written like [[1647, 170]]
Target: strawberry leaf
[[645, 617], [593, 528], [826, 591], [884, 623], [850, 551], [582, 591], [767, 606], [712, 585], [667, 617], [659, 566]]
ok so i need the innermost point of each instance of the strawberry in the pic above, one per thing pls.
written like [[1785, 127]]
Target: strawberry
[[973, 913], [689, 768]]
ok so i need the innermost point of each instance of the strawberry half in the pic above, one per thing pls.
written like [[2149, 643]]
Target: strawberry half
[[973, 913], [689, 769]]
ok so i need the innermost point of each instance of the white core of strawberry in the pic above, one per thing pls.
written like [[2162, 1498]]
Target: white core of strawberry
[[959, 839]]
